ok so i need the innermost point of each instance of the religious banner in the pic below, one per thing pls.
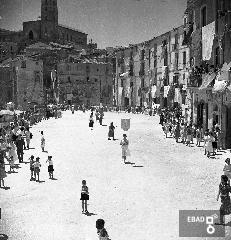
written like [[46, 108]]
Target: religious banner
[[208, 33], [125, 124]]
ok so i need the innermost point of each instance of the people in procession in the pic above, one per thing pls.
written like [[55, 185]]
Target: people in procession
[[124, 146], [84, 196], [20, 148], [111, 131]]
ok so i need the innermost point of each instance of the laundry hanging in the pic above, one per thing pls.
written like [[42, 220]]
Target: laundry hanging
[[208, 33]]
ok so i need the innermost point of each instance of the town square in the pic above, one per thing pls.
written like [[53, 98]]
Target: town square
[[120, 130]]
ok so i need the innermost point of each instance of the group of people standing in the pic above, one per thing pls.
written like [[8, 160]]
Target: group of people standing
[[174, 125]]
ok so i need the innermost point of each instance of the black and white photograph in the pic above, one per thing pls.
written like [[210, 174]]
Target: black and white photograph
[[115, 119]]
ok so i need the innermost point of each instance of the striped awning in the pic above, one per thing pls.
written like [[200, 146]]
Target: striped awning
[[206, 80]]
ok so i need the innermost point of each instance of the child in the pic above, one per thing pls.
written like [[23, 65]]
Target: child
[[84, 197], [11, 162], [224, 190], [91, 121], [37, 166], [42, 141], [227, 169], [198, 136], [32, 168], [101, 231], [124, 145], [50, 167]]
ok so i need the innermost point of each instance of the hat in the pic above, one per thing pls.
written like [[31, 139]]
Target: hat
[[37, 158], [124, 135], [49, 156]]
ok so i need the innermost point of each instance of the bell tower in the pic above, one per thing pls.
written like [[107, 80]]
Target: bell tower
[[49, 19]]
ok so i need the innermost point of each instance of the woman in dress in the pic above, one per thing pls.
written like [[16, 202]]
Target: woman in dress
[[208, 144], [124, 146], [101, 231], [91, 121], [111, 132], [84, 196], [42, 141], [223, 193]]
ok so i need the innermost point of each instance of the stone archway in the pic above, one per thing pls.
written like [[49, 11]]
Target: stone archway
[[31, 35]]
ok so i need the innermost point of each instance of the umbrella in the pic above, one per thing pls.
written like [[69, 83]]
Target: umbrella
[[6, 112]]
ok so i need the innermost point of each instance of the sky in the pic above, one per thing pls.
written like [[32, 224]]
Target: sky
[[109, 23]]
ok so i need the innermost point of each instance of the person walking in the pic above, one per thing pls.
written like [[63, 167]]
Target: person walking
[[223, 193], [111, 132], [50, 167], [177, 132], [20, 147], [91, 121], [124, 146], [227, 169], [84, 197], [42, 141], [198, 136]]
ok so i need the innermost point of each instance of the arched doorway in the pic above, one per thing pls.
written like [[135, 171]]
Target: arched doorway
[[31, 35], [202, 114]]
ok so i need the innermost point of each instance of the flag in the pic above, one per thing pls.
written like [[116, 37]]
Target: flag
[[208, 33]]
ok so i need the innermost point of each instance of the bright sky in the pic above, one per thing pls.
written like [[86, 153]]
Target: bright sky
[[107, 22]]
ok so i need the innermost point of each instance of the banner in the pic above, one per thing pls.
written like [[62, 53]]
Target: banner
[[166, 90], [208, 33], [125, 124], [177, 95]]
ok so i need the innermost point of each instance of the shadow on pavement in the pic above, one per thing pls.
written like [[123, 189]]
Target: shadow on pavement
[[130, 163], [5, 188], [31, 148], [17, 166], [55, 179], [90, 214], [40, 181], [11, 172], [45, 151], [103, 125], [138, 166], [3, 237]]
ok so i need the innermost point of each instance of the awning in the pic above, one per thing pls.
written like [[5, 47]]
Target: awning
[[206, 80]]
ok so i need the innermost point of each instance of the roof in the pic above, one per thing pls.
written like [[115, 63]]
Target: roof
[[73, 29]]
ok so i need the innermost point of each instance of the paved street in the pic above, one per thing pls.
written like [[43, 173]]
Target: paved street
[[138, 201]]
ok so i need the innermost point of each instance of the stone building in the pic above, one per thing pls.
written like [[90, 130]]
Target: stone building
[[47, 29], [85, 82], [6, 85], [27, 77], [208, 27]]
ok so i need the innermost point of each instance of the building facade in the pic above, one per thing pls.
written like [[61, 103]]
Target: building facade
[[85, 82]]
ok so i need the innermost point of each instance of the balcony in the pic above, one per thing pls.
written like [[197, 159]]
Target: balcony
[[195, 80]]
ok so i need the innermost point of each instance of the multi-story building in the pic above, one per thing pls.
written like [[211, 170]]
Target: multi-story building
[[85, 82], [6, 85], [27, 80], [208, 29]]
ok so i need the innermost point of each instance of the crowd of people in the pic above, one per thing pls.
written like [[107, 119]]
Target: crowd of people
[[15, 138]]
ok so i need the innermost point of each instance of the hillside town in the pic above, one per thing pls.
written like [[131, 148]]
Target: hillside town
[[166, 105]]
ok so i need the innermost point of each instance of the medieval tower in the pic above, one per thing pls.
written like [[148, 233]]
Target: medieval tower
[[49, 19]]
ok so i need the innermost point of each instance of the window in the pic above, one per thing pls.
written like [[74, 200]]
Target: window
[[31, 35], [23, 64], [204, 16], [176, 59], [185, 21], [96, 79], [217, 56], [67, 37], [184, 58], [176, 39], [88, 79], [45, 8], [69, 79]]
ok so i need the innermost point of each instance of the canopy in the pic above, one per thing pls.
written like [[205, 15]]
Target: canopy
[[6, 112], [206, 80]]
